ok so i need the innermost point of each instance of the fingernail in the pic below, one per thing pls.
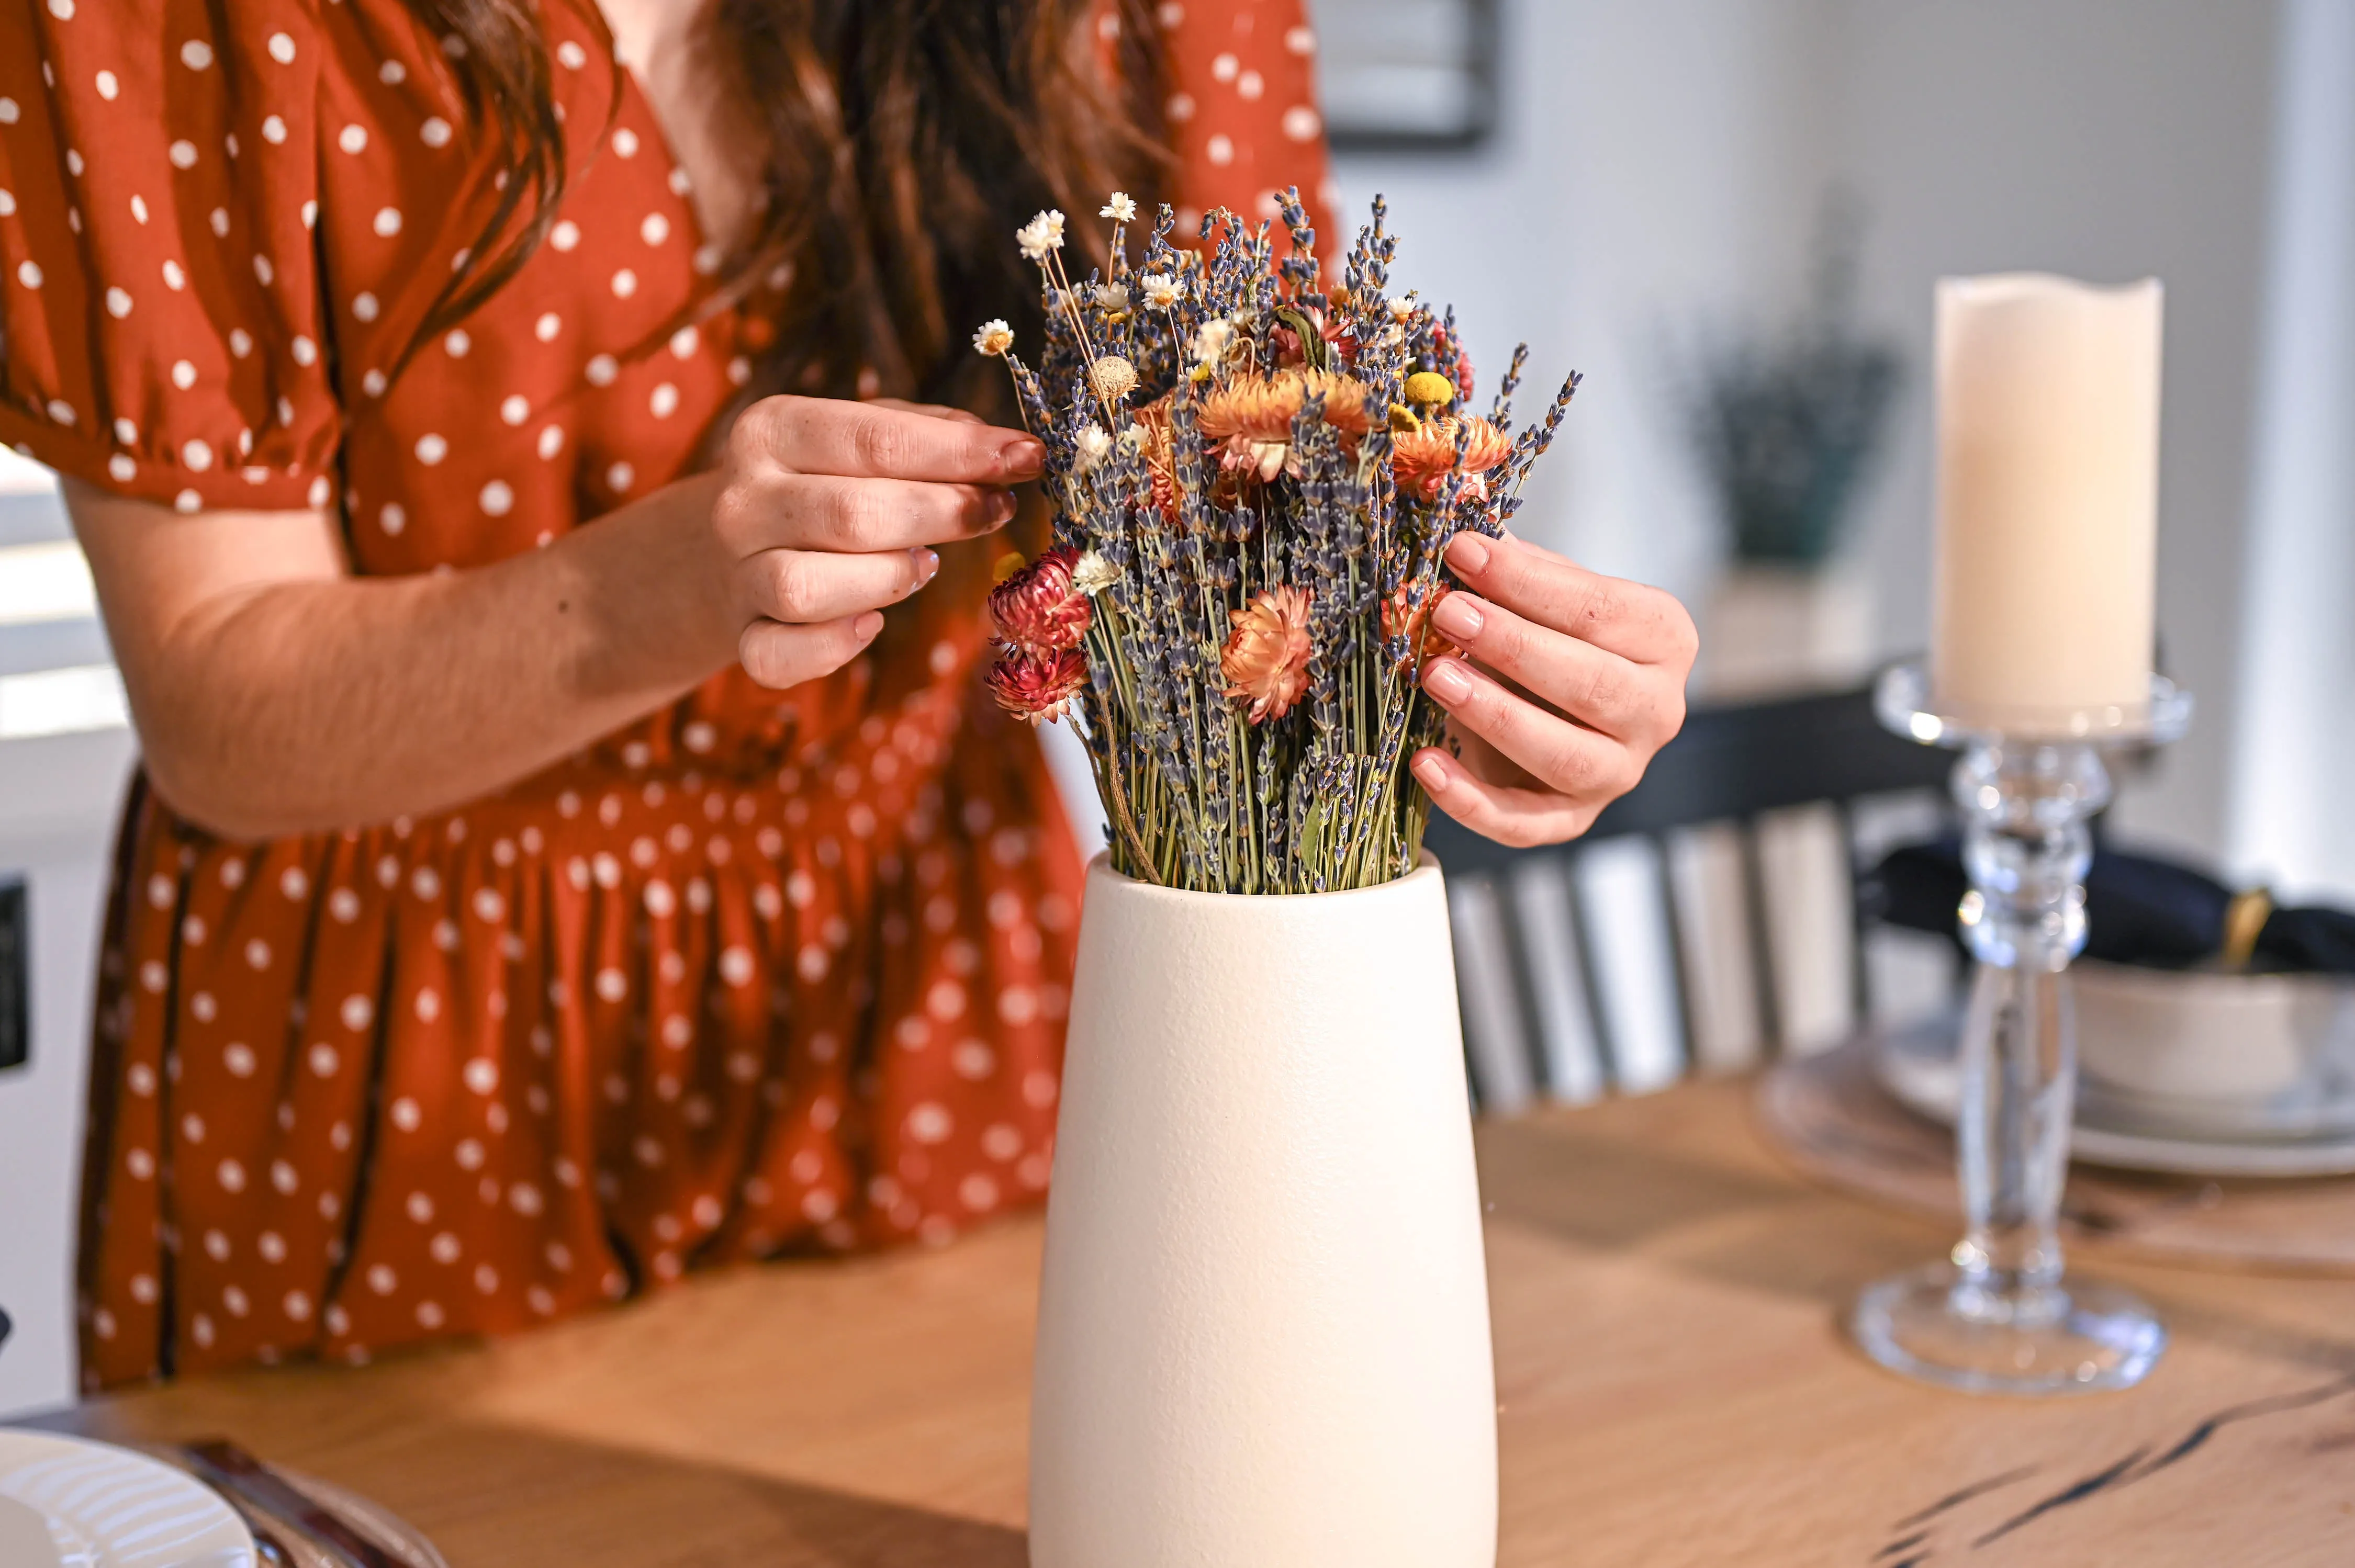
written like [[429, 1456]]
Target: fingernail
[[928, 562], [1458, 616], [1468, 554], [867, 625], [1001, 507], [1023, 459], [1431, 771], [1445, 679]]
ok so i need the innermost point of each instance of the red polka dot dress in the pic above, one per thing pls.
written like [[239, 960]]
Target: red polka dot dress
[[762, 971]]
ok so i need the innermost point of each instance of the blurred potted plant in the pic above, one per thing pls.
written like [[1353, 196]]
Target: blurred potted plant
[[1786, 425]]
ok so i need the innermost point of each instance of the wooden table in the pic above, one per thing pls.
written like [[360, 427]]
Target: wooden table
[[1674, 1385]]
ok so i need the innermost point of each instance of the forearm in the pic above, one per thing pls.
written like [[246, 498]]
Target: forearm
[[277, 693], [312, 705]]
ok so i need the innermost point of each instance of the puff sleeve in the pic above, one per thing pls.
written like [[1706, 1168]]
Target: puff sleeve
[[1241, 110], [159, 301]]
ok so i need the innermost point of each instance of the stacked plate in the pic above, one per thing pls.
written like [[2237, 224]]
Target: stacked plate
[[2204, 1074], [67, 1502]]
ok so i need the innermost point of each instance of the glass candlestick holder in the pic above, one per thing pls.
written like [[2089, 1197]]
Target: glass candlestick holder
[[1998, 1317]]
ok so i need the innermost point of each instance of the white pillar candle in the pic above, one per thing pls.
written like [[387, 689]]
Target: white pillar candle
[[2048, 495]]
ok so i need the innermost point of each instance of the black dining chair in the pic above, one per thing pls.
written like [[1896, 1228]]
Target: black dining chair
[[16, 1007], [1710, 919]]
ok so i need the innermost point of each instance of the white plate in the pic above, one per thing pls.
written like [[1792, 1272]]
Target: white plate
[[109, 1507], [1917, 1066]]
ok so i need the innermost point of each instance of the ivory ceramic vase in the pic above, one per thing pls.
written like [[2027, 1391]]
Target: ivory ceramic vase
[[1263, 1324]]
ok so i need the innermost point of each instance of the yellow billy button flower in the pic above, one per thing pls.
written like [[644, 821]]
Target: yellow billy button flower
[[1430, 389]]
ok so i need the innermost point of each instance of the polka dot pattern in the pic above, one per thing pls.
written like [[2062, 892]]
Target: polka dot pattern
[[117, 150], [1241, 110], [759, 972]]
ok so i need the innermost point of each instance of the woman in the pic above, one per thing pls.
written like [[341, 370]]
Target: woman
[[512, 912]]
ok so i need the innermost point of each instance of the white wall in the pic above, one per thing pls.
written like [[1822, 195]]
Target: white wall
[[1641, 182], [41, 1103], [64, 754], [2295, 743], [2109, 140], [1660, 169]]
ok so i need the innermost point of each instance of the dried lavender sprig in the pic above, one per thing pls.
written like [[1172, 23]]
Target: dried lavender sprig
[[1500, 412], [1338, 812], [1533, 442], [1299, 269]]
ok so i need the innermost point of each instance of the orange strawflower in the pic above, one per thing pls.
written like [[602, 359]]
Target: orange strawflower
[[1249, 418], [1160, 452], [1266, 656], [1421, 458], [1421, 641]]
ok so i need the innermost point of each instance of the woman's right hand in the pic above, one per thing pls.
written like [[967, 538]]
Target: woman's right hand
[[827, 511]]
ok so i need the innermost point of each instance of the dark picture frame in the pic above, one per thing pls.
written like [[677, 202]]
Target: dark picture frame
[[1407, 75], [15, 973]]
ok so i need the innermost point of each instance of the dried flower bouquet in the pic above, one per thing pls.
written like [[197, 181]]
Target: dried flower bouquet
[[1254, 474]]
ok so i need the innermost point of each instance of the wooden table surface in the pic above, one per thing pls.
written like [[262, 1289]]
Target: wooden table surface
[[1674, 1385]]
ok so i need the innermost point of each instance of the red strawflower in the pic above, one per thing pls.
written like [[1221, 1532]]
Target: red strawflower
[[1338, 335], [1042, 686], [1037, 609], [1454, 360]]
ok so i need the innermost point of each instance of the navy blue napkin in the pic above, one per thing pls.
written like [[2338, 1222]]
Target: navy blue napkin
[[2138, 910]]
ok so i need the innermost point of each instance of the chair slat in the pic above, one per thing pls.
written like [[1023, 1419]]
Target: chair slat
[[1495, 1027], [1712, 908], [1562, 1012], [1622, 910], [1709, 883], [1803, 855]]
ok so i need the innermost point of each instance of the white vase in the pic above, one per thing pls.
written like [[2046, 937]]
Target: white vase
[[1263, 1324]]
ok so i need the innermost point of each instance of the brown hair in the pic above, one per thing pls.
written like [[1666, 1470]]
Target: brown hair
[[904, 143]]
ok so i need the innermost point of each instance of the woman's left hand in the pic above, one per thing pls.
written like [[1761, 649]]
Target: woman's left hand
[[1573, 681]]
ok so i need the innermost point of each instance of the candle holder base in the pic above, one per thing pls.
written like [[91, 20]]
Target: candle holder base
[[1941, 1326], [2000, 1315]]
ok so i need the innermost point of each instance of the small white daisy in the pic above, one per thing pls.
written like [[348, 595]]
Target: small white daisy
[[1121, 208], [1040, 234], [1163, 290], [1211, 340], [994, 338]]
